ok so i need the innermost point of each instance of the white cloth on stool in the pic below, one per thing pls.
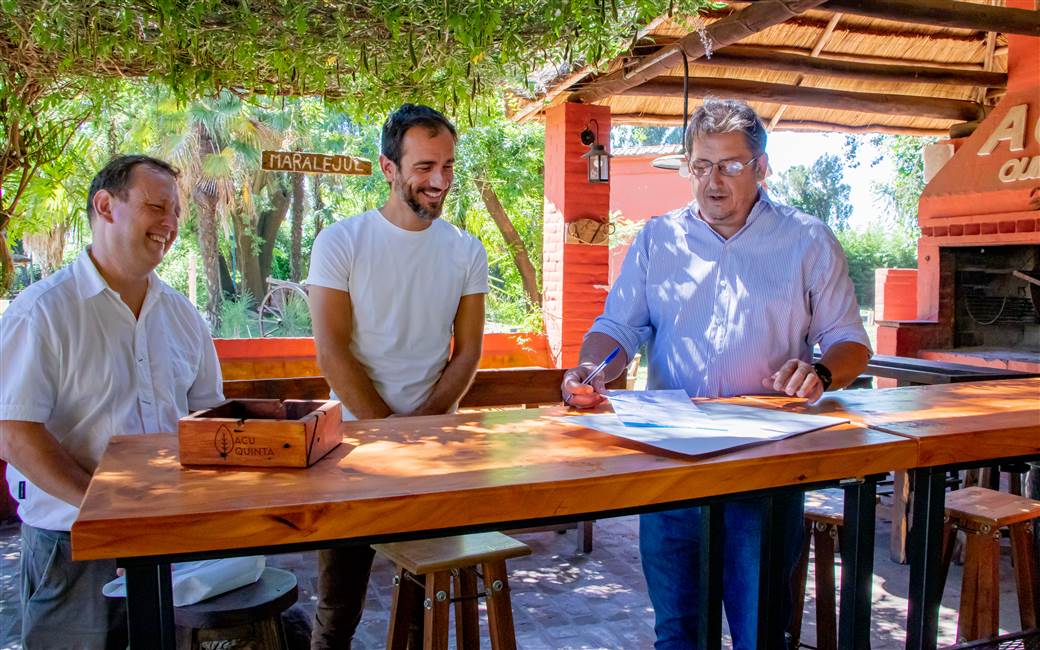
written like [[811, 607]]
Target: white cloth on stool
[[197, 581]]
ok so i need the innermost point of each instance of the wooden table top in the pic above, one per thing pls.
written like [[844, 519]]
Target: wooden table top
[[952, 423], [429, 473]]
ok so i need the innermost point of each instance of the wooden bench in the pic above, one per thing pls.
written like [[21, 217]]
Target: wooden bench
[[497, 387], [908, 371], [500, 387]]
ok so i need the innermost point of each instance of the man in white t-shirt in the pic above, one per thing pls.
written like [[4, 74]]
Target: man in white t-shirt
[[388, 291], [101, 348]]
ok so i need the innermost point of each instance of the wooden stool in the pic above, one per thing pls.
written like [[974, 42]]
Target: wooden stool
[[429, 570], [981, 513], [824, 517], [252, 612]]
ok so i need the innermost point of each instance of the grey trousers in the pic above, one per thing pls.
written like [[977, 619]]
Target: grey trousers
[[62, 604], [342, 583]]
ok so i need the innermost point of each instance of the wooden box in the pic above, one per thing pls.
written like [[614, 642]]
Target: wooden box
[[260, 433]]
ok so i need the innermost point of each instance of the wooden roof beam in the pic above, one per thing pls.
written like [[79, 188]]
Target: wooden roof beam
[[841, 100], [738, 26], [652, 119], [944, 13], [768, 50], [737, 56]]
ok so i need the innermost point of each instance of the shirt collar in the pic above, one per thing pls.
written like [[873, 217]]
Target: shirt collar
[[90, 283], [763, 204]]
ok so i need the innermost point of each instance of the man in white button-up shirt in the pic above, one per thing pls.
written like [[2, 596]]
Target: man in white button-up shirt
[[731, 292], [101, 348]]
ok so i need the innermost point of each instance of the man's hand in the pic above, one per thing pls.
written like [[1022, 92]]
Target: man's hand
[[795, 378], [577, 394]]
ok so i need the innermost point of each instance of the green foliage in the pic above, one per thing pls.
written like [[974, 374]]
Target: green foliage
[[876, 248], [296, 317], [238, 319], [370, 55], [900, 193], [819, 190], [509, 158]]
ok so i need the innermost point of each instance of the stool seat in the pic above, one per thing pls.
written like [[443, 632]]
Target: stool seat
[[268, 597], [421, 557], [826, 506], [990, 508]]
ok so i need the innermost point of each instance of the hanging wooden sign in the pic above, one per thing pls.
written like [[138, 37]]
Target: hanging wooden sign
[[314, 163]]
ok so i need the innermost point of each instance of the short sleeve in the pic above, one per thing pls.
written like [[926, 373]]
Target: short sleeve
[[29, 367], [208, 388], [626, 314], [835, 312], [330, 260], [477, 273]]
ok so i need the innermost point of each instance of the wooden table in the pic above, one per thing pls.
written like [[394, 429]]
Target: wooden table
[[954, 425], [415, 477]]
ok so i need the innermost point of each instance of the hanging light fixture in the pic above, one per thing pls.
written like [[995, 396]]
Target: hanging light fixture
[[597, 156], [678, 161]]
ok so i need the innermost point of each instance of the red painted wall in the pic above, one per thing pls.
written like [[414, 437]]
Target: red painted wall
[[639, 191], [574, 276]]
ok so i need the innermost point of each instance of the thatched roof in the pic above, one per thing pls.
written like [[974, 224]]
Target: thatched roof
[[846, 81]]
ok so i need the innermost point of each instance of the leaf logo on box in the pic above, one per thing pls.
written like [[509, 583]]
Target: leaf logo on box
[[224, 441]]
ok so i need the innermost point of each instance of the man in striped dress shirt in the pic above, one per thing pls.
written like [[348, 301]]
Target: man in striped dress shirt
[[731, 293]]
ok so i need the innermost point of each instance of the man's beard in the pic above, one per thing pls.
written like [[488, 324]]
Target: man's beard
[[424, 213]]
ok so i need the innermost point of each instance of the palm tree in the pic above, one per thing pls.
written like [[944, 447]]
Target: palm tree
[[216, 142]]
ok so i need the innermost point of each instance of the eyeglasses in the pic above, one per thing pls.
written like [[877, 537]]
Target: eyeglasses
[[700, 168]]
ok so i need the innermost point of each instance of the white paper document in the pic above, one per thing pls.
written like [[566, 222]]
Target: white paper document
[[652, 408], [705, 428]]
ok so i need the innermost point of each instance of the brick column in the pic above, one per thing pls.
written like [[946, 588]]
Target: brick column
[[574, 276]]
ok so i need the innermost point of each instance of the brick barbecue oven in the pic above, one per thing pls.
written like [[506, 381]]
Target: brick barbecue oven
[[978, 277]]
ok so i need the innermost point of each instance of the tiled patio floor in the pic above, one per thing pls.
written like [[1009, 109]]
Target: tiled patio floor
[[565, 600]]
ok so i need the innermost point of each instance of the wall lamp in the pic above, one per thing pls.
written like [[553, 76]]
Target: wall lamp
[[597, 156]]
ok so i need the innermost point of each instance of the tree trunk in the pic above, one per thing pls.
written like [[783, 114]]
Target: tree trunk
[[207, 223], [6, 265], [319, 204], [295, 257], [514, 243], [271, 220], [204, 194], [255, 243]]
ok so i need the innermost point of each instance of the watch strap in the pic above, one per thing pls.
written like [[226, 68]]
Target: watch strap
[[824, 373]]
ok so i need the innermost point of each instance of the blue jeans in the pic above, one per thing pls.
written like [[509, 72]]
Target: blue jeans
[[669, 543]]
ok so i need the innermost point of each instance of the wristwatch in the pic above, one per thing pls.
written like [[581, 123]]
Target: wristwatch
[[824, 373]]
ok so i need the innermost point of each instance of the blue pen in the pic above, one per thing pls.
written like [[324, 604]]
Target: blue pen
[[598, 369]]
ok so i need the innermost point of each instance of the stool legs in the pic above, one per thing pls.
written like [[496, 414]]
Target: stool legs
[[824, 536], [901, 500], [406, 606], [1026, 575], [500, 610], [467, 625], [437, 605], [433, 602], [980, 604], [801, 576]]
